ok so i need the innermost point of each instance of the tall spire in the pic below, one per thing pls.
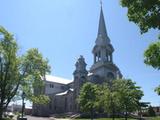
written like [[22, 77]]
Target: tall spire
[[103, 65], [101, 2], [102, 27]]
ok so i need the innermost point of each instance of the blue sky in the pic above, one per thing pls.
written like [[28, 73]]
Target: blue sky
[[63, 30]]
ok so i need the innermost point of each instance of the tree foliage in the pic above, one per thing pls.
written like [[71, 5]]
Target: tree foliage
[[152, 55], [151, 112], [88, 98], [121, 96], [145, 13], [118, 96], [10, 77], [37, 67], [19, 73], [128, 95], [109, 98], [158, 90]]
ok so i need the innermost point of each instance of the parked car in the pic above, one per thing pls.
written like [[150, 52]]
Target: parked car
[[9, 114]]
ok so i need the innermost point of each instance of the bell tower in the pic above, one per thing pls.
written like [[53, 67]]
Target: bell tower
[[103, 64], [103, 49]]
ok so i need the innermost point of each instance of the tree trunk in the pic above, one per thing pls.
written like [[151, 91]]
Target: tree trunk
[[92, 114], [1, 109], [113, 117], [126, 116], [113, 113], [140, 113], [1, 113]]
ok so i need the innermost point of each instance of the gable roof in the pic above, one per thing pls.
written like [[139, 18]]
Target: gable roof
[[65, 92], [55, 79]]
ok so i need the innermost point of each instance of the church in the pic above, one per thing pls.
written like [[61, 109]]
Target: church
[[64, 93]]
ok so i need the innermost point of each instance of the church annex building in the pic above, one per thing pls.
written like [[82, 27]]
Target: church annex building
[[63, 93]]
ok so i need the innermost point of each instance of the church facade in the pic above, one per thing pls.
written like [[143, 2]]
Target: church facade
[[63, 93]]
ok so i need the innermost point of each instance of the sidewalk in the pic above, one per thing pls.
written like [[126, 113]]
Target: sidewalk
[[41, 118], [44, 118]]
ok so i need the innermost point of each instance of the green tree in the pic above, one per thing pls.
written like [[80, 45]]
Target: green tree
[[152, 58], [146, 14], [128, 95], [152, 55], [88, 98], [158, 90], [18, 72], [151, 112], [120, 96], [142, 105], [37, 67], [109, 99]]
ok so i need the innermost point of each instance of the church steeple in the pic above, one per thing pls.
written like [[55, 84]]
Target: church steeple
[[102, 36], [103, 49], [103, 65], [102, 27], [103, 52]]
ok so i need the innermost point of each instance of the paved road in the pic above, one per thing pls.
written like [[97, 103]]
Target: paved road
[[43, 118], [38, 118]]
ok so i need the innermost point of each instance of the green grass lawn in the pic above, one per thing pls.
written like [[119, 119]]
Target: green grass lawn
[[109, 119], [154, 118], [149, 118]]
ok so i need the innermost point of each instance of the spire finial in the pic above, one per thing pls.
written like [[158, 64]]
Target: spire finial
[[102, 32], [101, 2]]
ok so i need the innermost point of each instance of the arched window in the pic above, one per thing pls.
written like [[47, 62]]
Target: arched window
[[96, 57], [107, 56], [51, 85], [83, 77], [110, 76], [99, 56]]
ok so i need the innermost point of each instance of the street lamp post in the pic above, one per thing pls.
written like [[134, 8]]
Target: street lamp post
[[23, 107], [23, 104]]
